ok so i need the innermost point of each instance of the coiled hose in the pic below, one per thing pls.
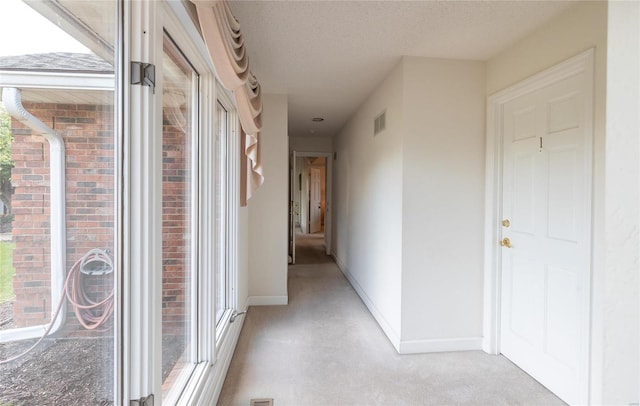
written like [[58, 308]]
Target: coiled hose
[[83, 306]]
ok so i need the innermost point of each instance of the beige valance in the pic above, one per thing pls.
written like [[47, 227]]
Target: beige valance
[[221, 32]]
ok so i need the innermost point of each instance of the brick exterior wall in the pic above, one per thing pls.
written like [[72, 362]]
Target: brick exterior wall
[[87, 131], [176, 270]]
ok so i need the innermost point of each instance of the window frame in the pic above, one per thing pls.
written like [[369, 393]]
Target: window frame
[[57, 184], [226, 244], [110, 83], [175, 20], [138, 208], [194, 188]]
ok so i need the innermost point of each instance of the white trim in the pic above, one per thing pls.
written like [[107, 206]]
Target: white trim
[[120, 316], [196, 220], [384, 324], [441, 345], [74, 26], [233, 205], [190, 29], [59, 80], [206, 232], [123, 295], [227, 173], [142, 220], [582, 63], [268, 300]]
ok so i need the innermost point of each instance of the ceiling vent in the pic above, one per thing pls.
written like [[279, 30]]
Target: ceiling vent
[[261, 402], [380, 123]]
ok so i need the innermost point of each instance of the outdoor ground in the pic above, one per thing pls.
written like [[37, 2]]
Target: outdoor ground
[[6, 271], [58, 372], [65, 371]]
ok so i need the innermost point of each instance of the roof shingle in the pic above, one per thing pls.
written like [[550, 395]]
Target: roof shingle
[[56, 62]]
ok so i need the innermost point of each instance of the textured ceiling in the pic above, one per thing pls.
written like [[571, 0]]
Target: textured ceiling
[[328, 56]]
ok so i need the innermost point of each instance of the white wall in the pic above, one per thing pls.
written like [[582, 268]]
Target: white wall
[[443, 202], [311, 144], [268, 209], [367, 190], [621, 312], [409, 204], [581, 27]]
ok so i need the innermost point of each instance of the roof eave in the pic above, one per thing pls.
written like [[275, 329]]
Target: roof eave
[[57, 80]]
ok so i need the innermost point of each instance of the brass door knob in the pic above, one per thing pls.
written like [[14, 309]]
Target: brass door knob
[[506, 243]]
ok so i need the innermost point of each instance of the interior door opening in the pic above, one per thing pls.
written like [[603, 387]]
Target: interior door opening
[[310, 201]]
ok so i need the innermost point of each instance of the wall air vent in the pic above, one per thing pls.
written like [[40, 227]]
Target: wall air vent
[[380, 123]]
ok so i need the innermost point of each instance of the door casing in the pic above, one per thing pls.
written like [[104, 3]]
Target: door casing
[[581, 63]]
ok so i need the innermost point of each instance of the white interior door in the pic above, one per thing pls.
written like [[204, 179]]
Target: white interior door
[[546, 200], [315, 200]]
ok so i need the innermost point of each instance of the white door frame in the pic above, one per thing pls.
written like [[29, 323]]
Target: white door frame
[[582, 63], [328, 211]]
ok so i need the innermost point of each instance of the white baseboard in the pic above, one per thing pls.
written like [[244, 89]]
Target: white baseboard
[[267, 300], [440, 345], [382, 322], [409, 346]]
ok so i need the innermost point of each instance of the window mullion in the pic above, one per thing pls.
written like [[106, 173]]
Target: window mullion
[[233, 202], [207, 222], [142, 210]]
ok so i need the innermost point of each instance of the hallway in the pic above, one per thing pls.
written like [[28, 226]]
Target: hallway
[[325, 348]]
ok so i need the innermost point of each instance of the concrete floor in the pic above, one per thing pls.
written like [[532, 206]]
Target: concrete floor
[[325, 348]]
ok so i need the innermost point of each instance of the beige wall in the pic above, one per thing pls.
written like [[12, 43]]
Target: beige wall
[[443, 202], [620, 314], [409, 204], [268, 209], [367, 190], [581, 27], [311, 144]]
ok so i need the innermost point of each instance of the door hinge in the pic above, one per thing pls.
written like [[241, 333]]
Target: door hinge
[[145, 401], [143, 74]]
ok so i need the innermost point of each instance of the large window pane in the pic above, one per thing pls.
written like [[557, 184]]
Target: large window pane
[[178, 134], [222, 116], [58, 193]]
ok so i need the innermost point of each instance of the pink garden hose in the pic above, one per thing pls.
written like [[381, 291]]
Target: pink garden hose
[[83, 306]]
